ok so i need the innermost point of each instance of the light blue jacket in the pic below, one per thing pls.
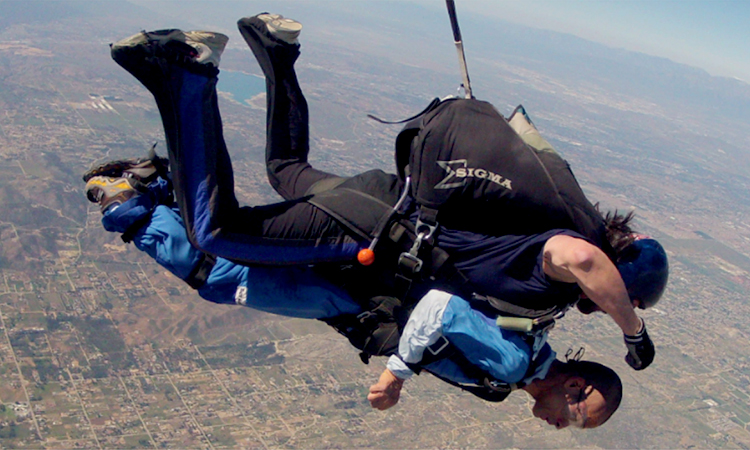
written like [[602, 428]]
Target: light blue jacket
[[505, 355]]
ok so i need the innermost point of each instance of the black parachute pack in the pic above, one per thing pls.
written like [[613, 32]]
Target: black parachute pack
[[466, 167], [480, 173]]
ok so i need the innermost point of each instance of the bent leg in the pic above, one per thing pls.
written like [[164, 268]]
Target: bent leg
[[287, 119], [184, 88]]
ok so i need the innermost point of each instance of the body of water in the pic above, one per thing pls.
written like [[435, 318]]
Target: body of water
[[242, 86]]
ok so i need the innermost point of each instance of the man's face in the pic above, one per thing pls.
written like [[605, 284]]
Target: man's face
[[572, 404]]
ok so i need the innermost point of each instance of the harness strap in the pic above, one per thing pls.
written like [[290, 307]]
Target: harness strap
[[425, 262], [512, 310], [361, 221], [488, 388], [198, 276], [483, 392], [437, 351], [411, 262], [133, 229]]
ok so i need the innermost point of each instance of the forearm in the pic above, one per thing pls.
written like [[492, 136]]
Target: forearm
[[569, 260], [623, 314], [604, 286]]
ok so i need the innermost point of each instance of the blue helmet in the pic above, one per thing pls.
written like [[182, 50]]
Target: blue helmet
[[644, 268]]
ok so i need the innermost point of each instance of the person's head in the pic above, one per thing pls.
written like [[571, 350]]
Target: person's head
[[641, 261], [583, 394]]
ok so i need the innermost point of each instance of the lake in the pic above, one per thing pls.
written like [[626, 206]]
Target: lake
[[243, 86]]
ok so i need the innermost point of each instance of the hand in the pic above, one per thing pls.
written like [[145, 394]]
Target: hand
[[386, 392], [641, 350]]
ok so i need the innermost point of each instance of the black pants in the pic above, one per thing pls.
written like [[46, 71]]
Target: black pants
[[287, 120]]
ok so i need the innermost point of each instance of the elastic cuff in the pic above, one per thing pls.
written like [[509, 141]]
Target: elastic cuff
[[640, 332], [121, 218], [399, 368]]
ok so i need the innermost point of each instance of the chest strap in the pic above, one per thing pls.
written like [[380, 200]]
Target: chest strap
[[488, 388]]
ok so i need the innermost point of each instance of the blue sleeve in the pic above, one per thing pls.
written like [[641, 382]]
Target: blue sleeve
[[164, 239], [503, 354]]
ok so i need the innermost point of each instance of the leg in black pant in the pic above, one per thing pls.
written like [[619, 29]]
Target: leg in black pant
[[287, 144]]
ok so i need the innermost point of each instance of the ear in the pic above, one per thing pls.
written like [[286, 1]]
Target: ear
[[573, 385]]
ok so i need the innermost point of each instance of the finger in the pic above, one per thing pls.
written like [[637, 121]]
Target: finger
[[376, 400]]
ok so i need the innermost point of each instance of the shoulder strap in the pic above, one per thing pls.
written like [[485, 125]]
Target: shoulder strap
[[361, 213], [490, 389], [198, 276], [483, 392]]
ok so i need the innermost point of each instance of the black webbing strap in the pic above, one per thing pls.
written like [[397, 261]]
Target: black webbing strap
[[438, 350], [428, 216], [198, 276], [436, 101], [133, 229], [483, 392], [488, 388], [411, 262]]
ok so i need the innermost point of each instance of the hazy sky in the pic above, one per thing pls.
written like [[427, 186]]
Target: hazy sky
[[713, 35]]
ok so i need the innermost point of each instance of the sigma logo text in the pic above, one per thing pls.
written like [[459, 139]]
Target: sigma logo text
[[459, 173]]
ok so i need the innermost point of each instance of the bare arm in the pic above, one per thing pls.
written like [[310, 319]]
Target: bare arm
[[573, 260]]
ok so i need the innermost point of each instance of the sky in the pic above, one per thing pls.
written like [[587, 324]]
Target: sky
[[713, 35]]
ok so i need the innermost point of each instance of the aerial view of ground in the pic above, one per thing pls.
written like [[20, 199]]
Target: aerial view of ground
[[100, 347]]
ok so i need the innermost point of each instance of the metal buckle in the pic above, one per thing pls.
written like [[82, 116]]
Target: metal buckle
[[498, 386], [442, 347], [410, 261], [420, 229], [365, 316], [543, 327]]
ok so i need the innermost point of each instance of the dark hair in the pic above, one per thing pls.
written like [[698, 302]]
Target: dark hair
[[603, 379], [619, 231]]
